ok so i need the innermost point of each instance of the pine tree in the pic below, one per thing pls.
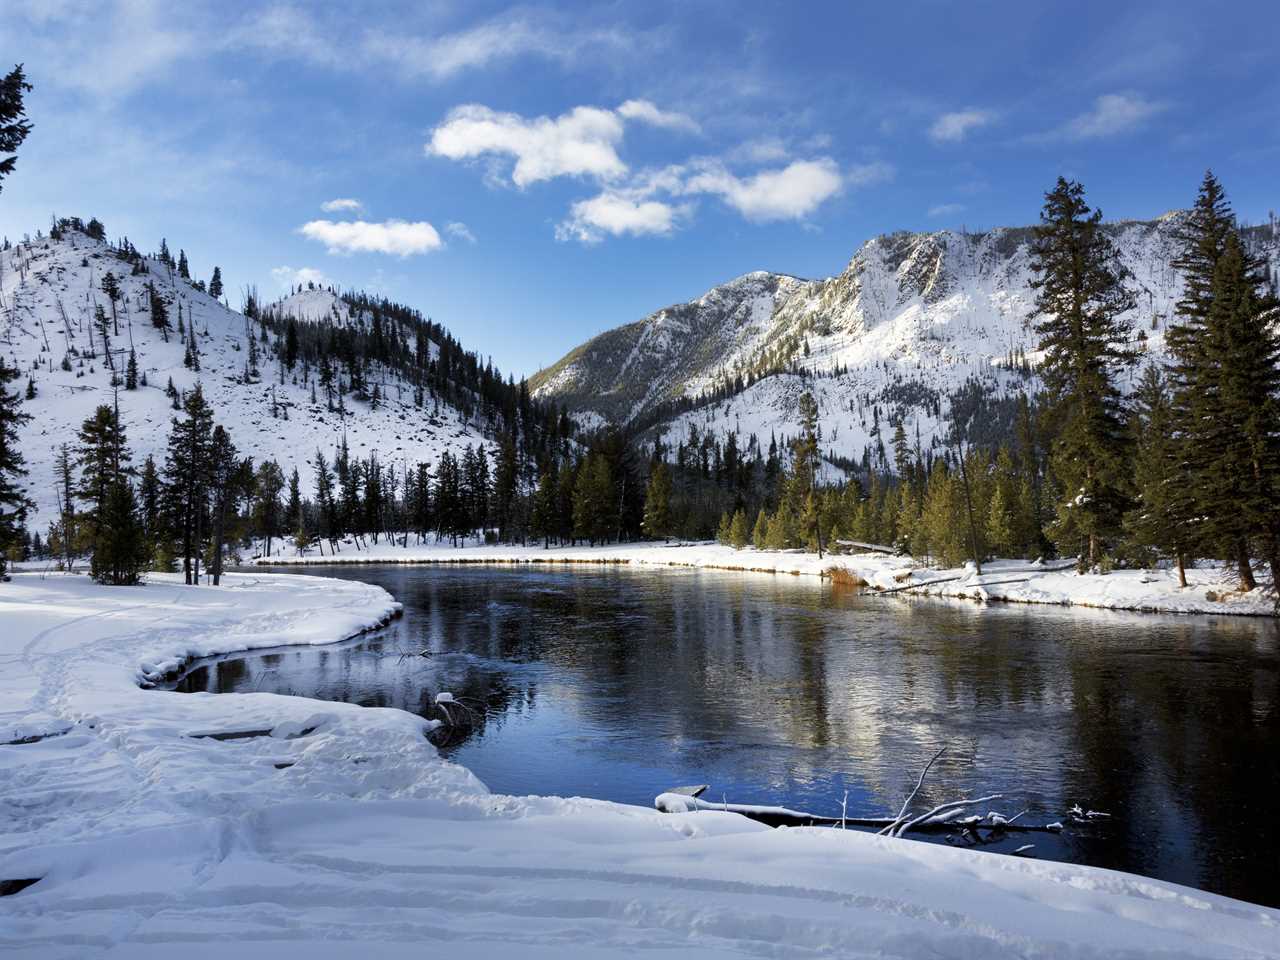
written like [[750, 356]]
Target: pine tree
[[225, 481], [131, 371], [593, 506], [13, 501], [657, 502], [1222, 364], [1155, 523], [291, 345], [31, 388], [184, 271], [805, 463], [119, 546], [1079, 301], [760, 531], [293, 516], [268, 484], [14, 125], [739, 532], [111, 287], [215, 284], [159, 312], [1239, 451], [542, 522], [150, 502], [103, 456], [186, 473], [65, 490]]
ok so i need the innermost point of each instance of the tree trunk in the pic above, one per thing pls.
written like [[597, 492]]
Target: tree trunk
[[219, 524], [1182, 569], [1247, 582]]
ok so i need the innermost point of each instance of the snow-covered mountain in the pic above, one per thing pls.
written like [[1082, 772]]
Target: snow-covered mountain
[[48, 292], [906, 330]]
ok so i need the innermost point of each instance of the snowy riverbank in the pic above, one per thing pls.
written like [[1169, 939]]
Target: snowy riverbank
[[341, 833], [1209, 590]]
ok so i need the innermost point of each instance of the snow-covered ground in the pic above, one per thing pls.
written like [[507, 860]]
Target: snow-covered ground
[[48, 291], [1209, 590], [342, 833]]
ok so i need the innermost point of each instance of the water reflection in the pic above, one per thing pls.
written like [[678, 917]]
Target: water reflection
[[618, 683]]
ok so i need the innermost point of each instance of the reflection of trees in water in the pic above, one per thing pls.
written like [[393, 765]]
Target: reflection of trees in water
[[1190, 750]]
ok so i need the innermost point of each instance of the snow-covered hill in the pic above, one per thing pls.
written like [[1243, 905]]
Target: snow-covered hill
[[48, 291], [914, 318]]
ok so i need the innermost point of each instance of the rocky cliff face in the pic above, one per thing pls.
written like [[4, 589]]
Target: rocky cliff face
[[912, 319]]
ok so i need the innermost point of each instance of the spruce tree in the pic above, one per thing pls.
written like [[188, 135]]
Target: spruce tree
[[1240, 438], [184, 271], [103, 456], [1154, 522], [131, 371], [1223, 361], [215, 284], [542, 521], [13, 500], [293, 510], [14, 125], [119, 545], [657, 502], [225, 481], [1079, 302], [111, 287], [186, 474]]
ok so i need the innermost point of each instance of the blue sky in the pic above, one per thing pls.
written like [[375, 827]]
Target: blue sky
[[531, 175]]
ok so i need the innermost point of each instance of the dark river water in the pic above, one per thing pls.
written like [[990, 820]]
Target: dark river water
[[620, 683]]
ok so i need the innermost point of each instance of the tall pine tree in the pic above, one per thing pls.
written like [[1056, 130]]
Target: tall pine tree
[[1079, 300]]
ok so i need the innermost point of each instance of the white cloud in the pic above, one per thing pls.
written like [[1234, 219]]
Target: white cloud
[[288, 277], [1112, 113], [954, 127], [396, 237], [617, 214], [460, 231], [581, 142], [946, 209], [646, 112], [790, 193], [342, 205]]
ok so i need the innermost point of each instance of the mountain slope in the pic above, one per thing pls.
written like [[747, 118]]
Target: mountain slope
[[48, 291], [913, 320]]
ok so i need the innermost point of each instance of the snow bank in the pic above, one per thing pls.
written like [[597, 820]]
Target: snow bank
[[338, 830], [1209, 590]]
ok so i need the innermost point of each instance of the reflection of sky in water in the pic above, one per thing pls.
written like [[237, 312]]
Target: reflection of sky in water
[[619, 683]]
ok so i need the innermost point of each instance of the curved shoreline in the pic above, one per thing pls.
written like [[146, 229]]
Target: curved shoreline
[[1134, 591], [151, 834]]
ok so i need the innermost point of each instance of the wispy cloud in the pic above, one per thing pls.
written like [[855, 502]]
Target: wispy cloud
[[289, 277], [954, 127], [342, 205], [291, 31], [1112, 114], [460, 231], [397, 237], [946, 209], [646, 112]]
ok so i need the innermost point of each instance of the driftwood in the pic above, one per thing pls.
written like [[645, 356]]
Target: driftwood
[[989, 583], [688, 799]]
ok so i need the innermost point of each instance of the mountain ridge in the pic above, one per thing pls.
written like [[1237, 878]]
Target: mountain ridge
[[913, 318]]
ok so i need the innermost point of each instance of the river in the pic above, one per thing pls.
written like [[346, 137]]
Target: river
[[619, 683]]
